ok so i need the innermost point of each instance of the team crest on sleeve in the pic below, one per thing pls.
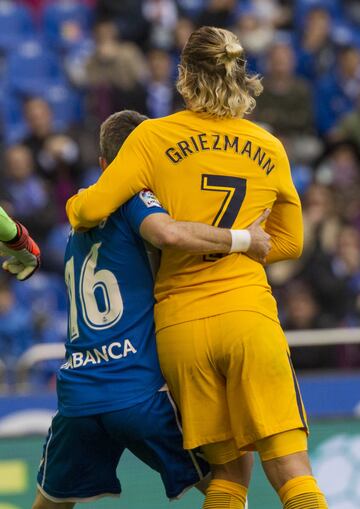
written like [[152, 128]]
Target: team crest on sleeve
[[149, 198]]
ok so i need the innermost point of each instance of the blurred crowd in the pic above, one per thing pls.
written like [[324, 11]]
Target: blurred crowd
[[66, 65]]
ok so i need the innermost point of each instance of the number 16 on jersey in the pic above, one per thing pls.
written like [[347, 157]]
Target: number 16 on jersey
[[92, 284]]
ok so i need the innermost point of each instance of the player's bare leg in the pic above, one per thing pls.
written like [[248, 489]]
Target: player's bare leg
[[238, 470], [231, 471], [280, 470], [203, 485], [291, 475], [43, 503], [229, 484]]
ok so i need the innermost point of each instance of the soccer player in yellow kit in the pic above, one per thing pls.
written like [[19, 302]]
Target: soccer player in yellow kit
[[221, 347]]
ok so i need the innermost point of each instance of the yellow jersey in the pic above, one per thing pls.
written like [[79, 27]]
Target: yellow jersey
[[223, 172]]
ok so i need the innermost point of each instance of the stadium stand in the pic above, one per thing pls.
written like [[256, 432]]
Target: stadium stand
[[66, 24], [15, 25], [64, 66], [31, 68]]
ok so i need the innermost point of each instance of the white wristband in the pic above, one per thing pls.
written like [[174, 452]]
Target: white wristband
[[240, 241]]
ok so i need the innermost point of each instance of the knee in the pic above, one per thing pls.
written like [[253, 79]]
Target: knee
[[42, 503], [281, 470], [284, 456], [39, 505], [238, 470]]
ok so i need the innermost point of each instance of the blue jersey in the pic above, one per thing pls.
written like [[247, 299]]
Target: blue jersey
[[111, 360]]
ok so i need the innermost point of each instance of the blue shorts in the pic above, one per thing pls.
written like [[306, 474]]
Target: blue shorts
[[81, 454]]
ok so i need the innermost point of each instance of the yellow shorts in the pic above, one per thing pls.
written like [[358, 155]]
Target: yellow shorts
[[232, 379]]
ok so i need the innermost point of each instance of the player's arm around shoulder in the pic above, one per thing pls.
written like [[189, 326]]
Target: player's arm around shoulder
[[125, 176], [163, 232], [152, 222], [198, 238]]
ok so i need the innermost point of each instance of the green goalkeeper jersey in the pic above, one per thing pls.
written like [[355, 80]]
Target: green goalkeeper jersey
[[8, 229]]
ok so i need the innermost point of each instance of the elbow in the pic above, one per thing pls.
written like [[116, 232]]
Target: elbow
[[81, 216], [296, 250], [285, 250], [89, 216], [299, 246], [299, 251], [293, 246], [168, 238]]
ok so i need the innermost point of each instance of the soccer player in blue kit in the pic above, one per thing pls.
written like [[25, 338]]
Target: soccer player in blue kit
[[111, 393]]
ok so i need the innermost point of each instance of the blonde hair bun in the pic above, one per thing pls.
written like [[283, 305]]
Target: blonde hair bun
[[233, 50], [213, 77]]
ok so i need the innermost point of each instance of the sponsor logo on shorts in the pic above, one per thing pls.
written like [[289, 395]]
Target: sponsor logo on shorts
[[115, 351]]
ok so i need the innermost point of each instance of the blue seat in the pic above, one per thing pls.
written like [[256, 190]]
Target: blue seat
[[302, 7], [191, 8], [345, 34], [13, 127], [44, 293], [66, 23], [90, 176], [32, 68], [16, 332], [54, 251], [43, 376], [15, 24], [66, 104]]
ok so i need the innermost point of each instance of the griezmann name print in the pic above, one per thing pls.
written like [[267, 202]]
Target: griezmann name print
[[220, 142]]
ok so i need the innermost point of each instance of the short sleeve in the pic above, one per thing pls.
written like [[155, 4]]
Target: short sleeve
[[141, 206]]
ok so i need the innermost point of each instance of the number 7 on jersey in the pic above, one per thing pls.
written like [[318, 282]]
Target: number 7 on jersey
[[235, 191]]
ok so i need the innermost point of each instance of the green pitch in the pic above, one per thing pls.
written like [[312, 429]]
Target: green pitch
[[142, 488]]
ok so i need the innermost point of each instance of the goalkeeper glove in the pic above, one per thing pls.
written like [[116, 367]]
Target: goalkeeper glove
[[24, 254]]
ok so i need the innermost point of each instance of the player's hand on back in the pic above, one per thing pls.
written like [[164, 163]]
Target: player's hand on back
[[23, 254], [260, 240]]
